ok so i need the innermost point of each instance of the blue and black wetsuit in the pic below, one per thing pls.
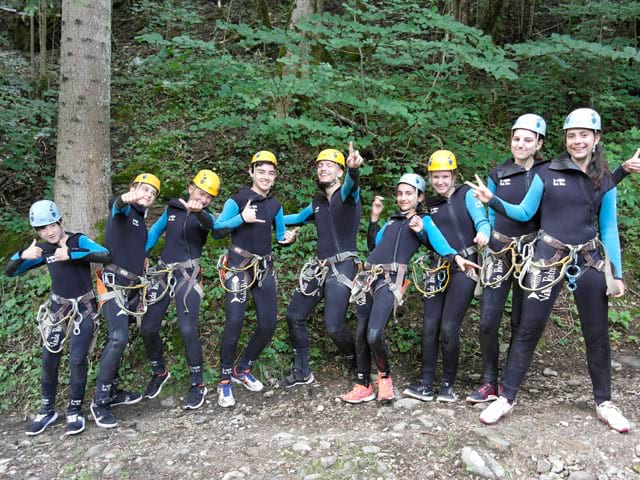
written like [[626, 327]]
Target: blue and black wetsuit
[[337, 220], [249, 268], [509, 181], [126, 236], [186, 234], [71, 289], [395, 244], [571, 209], [458, 217]]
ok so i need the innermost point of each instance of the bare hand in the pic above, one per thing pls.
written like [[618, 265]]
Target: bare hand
[[416, 224], [465, 265], [132, 197], [376, 208], [33, 252], [290, 236], [481, 239], [633, 164], [249, 214], [354, 160], [480, 190], [62, 252], [192, 205], [620, 285]]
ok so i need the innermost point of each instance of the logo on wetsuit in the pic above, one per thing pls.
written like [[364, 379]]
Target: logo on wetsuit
[[559, 182], [505, 181]]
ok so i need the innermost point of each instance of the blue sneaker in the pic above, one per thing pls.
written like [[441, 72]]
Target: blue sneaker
[[123, 397], [225, 395], [196, 396], [41, 422], [75, 423], [249, 381], [103, 416]]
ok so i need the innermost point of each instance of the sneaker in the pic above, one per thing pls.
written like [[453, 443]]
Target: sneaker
[[102, 415], [225, 395], [446, 393], [608, 413], [420, 391], [249, 381], [494, 412], [359, 394], [122, 397], [385, 389], [41, 422], [485, 393], [296, 378], [155, 385], [195, 399], [75, 423]]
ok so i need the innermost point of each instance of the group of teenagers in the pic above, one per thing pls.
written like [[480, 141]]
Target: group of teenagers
[[549, 224]]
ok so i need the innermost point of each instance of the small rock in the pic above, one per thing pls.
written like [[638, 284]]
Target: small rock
[[543, 466], [637, 450], [557, 465], [548, 372], [282, 437], [629, 361], [313, 476], [324, 445], [574, 382], [268, 394], [169, 402], [93, 451], [371, 449], [580, 475], [112, 469], [320, 408], [474, 463], [400, 427], [200, 419], [444, 412], [382, 467], [425, 421], [328, 462], [24, 443], [233, 475], [408, 403], [301, 447], [616, 365]]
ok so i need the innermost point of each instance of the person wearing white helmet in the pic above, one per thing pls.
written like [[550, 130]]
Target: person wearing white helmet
[[70, 313], [509, 239], [577, 245], [379, 288]]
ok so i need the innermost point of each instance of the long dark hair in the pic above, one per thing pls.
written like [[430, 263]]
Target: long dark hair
[[598, 166]]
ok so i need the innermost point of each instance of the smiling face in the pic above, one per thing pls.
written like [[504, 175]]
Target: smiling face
[[196, 193], [408, 197], [524, 145], [149, 193], [51, 233], [442, 181], [580, 143], [328, 173], [263, 175]]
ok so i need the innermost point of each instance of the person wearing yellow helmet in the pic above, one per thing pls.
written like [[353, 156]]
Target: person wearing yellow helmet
[[123, 278], [251, 214], [186, 224], [463, 222], [335, 211]]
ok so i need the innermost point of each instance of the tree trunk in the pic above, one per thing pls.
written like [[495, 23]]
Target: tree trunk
[[262, 11], [43, 40], [82, 183], [488, 14], [32, 46]]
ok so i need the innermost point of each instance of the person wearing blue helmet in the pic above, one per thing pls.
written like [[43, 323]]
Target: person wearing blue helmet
[[70, 313]]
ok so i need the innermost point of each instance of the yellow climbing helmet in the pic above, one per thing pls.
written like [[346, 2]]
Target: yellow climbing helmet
[[149, 179], [331, 155], [207, 181], [264, 156], [442, 160]]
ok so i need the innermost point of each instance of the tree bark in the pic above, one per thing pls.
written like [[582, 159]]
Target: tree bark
[[43, 39], [488, 14], [82, 182]]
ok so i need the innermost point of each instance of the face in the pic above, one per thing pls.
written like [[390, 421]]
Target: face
[[407, 197], [263, 176], [580, 143], [328, 173], [51, 233], [441, 181], [196, 193], [524, 144], [149, 194]]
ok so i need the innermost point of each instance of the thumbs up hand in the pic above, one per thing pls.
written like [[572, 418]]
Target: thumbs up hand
[[62, 252], [32, 252]]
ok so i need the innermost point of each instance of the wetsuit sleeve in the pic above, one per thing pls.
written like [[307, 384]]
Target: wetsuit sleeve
[[120, 208], [159, 226], [351, 185], [278, 223], [526, 209], [17, 265], [477, 213], [89, 251], [372, 235], [609, 230], [492, 213], [230, 216], [619, 174], [300, 218], [206, 219], [437, 239]]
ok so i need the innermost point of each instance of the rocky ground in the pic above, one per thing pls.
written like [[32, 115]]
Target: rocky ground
[[306, 433]]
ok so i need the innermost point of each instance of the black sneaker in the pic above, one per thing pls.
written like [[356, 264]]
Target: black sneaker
[[103, 416], [41, 422], [196, 396], [75, 423], [296, 378], [420, 391], [122, 397], [486, 392], [155, 385], [446, 393]]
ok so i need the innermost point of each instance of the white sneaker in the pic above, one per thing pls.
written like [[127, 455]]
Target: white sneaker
[[225, 395], [496, 411], [608, 413]]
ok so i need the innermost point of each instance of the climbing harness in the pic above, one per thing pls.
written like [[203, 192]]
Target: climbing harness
[[162, 278], [120, 293], [499, 265], [431, 271], [251, 269], [315, 271], [367, 277]]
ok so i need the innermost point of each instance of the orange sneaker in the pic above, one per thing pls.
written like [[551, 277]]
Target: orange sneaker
[[359, 394], [385, 389]]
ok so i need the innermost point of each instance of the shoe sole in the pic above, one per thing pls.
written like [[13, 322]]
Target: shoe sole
[[195, 407], [446, 399], [247, 385], [490, 398], [484, 422], [409, 393], [624, 430], [306, 381], [370, 398], [150, 397], [98, 423], [53, 419], [128, 402]]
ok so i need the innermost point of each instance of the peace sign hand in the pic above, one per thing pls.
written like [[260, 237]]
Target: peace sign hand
[[480, 190]]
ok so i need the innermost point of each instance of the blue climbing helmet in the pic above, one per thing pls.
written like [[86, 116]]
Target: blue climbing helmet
[[414, 180], [583, 118], [43, 213], [532, 122]]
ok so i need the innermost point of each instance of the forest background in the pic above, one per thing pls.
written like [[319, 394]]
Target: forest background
[[197, 84]]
